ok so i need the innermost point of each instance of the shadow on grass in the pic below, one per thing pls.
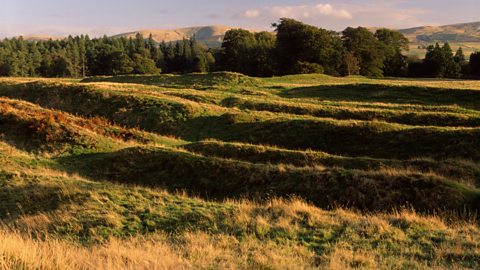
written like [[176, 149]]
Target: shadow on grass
[[219, 179], [200, 81], [29, 200], [463, 171], [389, 94], [374, 139]]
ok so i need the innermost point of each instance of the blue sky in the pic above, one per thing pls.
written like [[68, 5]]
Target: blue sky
[[97, 17]]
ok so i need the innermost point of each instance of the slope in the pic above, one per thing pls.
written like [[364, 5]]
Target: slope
[[211, 36]]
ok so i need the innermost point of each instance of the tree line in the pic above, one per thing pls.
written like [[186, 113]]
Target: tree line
[[300, 48], [294, 48], [81, 56]]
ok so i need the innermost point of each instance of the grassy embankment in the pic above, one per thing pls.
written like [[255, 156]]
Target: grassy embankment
[[100, 163]]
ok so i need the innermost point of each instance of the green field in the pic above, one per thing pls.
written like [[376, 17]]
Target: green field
[[225, 171]]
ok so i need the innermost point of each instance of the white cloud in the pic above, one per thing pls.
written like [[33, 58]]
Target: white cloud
[[327, 9], [309, 11], [337, 16], [388, 15], [252, 13]]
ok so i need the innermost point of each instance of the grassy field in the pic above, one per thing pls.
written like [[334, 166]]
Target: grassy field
[[224, 171]]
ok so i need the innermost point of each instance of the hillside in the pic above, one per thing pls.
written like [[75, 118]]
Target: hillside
[[42, 37], [213, 35], [226, 171], [209, 35], [463, 32], [465, 35]]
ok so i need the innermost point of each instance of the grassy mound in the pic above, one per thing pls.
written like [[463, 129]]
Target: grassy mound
[[45, 205], [200, 81], [388, 93], [349, 138], [196, 121], [408, 116], [50, 204], [220, 178], [463, 171], [88, 180], [153, 114], [33, 128]]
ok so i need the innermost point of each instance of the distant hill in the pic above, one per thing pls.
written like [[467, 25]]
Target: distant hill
[[464, 32], [209, 35], [212, 35], [41, 37]]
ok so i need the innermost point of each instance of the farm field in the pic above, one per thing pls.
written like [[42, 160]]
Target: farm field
[[225, 171]]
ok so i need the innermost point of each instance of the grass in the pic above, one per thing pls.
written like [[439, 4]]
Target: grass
[[367, 190], [341, 137], [33, 128], [409, 115], [175, 229], [200, 81], [339, 245], [224, 171], [461, 170], [389, 94], [119, 107]]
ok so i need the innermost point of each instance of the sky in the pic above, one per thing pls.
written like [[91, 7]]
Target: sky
[[98, 17]]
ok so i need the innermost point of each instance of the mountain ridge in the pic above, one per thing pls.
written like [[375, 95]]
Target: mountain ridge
[[460, 32], [212, 35]]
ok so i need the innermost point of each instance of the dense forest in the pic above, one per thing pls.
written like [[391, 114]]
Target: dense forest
[[81, 56], [295, 48]]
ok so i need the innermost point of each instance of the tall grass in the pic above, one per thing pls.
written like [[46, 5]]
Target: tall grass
[[399, 240]]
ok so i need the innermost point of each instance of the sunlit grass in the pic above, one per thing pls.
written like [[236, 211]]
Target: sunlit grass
[[224, 171]]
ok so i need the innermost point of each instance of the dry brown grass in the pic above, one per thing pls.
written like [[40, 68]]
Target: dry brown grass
[[190, 251], [363, 242], [18, 252]]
